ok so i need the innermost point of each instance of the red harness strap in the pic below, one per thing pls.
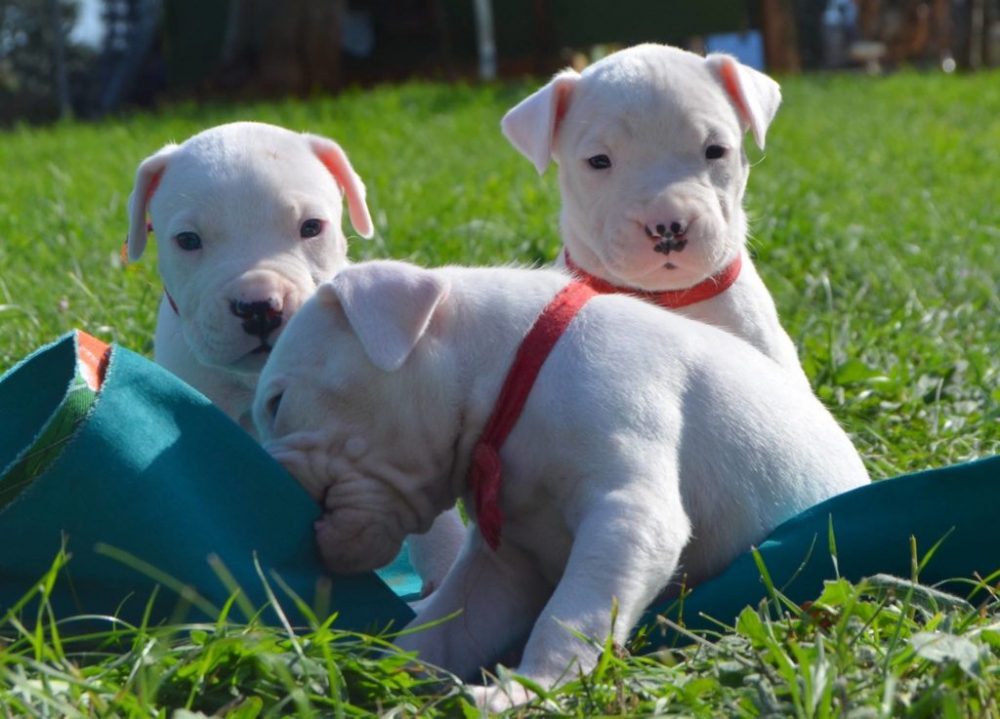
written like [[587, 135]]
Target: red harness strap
[[670, 299], [486, 472]]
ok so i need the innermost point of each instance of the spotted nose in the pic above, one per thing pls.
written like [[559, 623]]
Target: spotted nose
[[660, 230], [667, 240], [260, 317]]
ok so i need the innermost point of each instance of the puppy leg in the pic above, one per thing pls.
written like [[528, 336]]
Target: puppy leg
[[625, 550], [498, 595], [433, 553]]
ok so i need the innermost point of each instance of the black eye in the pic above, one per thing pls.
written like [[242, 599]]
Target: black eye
[[188, 241], [311, 228], [714, 152], [599, 162], [274, 404]]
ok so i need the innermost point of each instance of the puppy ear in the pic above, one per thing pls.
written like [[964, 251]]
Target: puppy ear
[[755, 95], [335, 160], [147, 177], [531, 125], [389, 305]]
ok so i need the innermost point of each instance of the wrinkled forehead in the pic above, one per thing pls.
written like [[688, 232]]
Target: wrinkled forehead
[[659, 94]]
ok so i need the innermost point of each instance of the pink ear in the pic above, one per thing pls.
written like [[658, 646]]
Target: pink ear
[[389, 305], [147, 177], [531, 125], [755, 95], [335, 160]]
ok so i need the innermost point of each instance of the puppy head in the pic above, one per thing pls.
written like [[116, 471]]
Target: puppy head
[[651, 163], [249, 221], [356, 402]]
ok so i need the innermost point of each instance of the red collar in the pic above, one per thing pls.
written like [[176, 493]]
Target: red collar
[[486, 471], [149, 228], [669, 299], [173, 305]]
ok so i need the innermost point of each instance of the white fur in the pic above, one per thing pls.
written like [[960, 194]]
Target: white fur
[[631, 466], [653, 110], [246, 189]]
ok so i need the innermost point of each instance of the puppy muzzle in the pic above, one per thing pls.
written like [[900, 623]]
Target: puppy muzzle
[[667, 240], [259, 319], [351, 541]]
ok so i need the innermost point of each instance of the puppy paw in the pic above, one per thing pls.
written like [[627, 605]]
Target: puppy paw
[[499, 698]]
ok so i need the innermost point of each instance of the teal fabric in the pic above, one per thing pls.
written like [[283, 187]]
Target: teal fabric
[[401, 577], [30, 396], [872, 526], [158, 472]]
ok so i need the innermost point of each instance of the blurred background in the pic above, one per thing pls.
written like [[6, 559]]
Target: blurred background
[[88, 58]]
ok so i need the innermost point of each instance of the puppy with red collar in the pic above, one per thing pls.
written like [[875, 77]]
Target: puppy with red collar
[[652, 172], [593, 472]]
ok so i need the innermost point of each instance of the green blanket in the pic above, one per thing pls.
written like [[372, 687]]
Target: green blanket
[[150, 484], [947, 510]]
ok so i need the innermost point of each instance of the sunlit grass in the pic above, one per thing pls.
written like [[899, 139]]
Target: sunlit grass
[[874, 218], [884, 647]]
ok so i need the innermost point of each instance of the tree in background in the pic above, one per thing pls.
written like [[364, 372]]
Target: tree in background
[[276, 48], [43, 75], [129, 70]]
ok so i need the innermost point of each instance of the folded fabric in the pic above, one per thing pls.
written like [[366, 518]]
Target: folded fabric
[[149, 483], [948, 510]]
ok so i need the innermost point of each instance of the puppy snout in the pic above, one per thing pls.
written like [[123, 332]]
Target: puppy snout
[[262, 325], [663, 230], [260, 317], [667, 236], [245, 309]]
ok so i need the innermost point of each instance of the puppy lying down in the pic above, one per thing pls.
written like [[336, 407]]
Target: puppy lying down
[[650, 446]]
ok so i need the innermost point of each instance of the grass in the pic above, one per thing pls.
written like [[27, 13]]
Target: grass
[[874, 218], [876, 225], [882, 648]]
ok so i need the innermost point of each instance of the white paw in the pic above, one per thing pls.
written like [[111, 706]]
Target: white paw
[[499, 698]]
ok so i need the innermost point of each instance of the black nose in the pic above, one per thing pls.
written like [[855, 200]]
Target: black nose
[[249, 309], [262, 325], [676, 228], [260, 318]]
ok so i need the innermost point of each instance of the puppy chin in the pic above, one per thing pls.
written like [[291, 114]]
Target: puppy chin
[[352, 541], [634, 263], [646, 270], [667, 275], [251, 363], [243, 355]]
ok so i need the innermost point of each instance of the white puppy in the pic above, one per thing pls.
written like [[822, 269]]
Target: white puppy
[[249, 220], [652, 172], [629, 465]]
